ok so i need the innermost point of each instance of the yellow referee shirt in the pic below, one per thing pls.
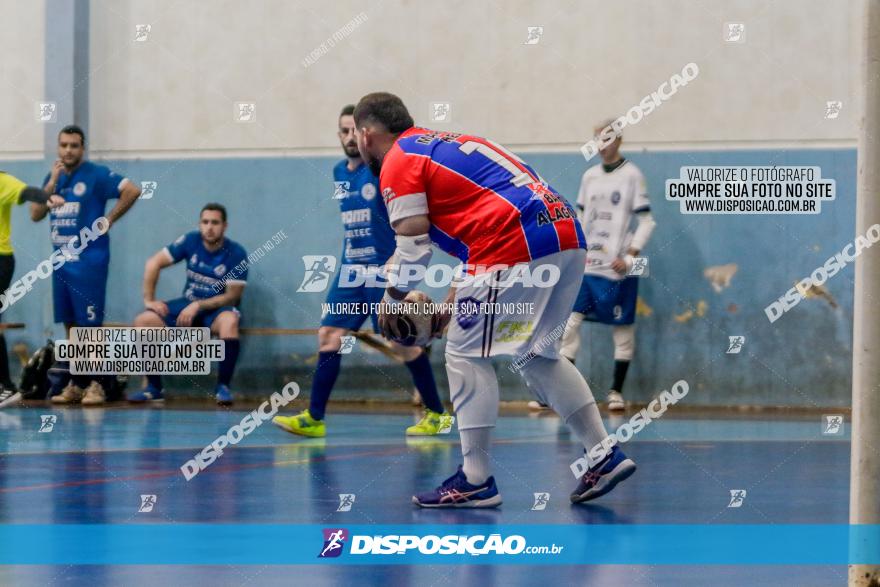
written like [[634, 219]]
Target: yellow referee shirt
[[10, 190]]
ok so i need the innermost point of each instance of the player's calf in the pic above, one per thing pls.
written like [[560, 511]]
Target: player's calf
[[225, 325], [152, 391]]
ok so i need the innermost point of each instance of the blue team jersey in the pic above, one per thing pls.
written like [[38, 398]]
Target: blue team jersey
[[85, 192], [369, 238], [208, 273]]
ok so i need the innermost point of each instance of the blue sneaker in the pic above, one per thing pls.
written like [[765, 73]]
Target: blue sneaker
[[603, 477], [223, 395], [147, 394], [456, 492]]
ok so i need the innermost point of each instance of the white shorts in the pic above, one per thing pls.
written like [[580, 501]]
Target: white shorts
[[505, 317]]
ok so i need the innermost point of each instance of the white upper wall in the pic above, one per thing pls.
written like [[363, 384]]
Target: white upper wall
[[21, 78], [177, 90]]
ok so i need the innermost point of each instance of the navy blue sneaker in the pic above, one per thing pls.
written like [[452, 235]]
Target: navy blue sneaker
[[223, 395], [147, 394], [456, 492], [603, 477]]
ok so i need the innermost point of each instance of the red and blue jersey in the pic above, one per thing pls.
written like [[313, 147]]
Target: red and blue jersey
[[486, 205]]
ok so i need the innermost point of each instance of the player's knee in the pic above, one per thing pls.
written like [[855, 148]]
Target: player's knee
[[147, 319], [571, 338], [624, 342], [226, 325], [410, 353], [329, 339]]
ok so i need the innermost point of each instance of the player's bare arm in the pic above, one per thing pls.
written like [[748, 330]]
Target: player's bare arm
[[646, 225], [230, 297], [40, 209], [127, 197], [153, 266], [55, 172]]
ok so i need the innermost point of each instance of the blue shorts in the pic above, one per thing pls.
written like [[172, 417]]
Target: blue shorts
[[204, 318], [608, 301], [363, 297], [79, 293]]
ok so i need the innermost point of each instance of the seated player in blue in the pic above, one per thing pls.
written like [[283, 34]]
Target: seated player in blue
[[79, 287], [216, 273], [368, 244]]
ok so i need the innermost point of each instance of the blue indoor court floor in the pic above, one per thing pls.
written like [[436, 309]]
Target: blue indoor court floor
[[95, 464]]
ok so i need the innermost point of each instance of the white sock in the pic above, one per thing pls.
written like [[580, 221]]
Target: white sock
[[586, 423], [561, 385], [475, 450]]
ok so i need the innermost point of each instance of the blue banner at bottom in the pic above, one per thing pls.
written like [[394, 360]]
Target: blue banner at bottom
[[243, 544]]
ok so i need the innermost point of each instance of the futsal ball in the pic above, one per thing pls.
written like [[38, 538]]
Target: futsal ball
[[412, 320]]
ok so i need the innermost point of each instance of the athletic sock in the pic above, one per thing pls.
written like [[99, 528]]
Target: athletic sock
[[322, 383], [227, 365], [620, 369], [155, 381], [587, 425], [475, 451], [423, 378], [565, 389]]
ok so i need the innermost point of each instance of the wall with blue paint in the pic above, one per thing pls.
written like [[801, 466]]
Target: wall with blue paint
[[802, 359]]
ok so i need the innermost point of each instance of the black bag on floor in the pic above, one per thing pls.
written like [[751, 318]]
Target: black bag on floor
[[115, 387], [42, 377], [35, 374]]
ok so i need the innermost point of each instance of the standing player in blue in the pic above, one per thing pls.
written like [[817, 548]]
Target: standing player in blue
[[216, 273], [80, 286], [369, 241]]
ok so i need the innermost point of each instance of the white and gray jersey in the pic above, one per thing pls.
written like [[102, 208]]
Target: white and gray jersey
[[608, 202]]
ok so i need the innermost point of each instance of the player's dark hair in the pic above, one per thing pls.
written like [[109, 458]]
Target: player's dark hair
[[72, 129], [217, 208], [347, 110], [385, 109]]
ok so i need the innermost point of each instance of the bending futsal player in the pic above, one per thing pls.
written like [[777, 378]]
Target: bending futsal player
[[368, 244], [481, 203]]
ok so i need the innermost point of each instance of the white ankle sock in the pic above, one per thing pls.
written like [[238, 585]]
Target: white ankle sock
[[586, 423], [475, 450]]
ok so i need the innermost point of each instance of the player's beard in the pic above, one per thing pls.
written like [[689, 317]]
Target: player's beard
[[71, 162], [351, 150], [375, 165], [212, 242]]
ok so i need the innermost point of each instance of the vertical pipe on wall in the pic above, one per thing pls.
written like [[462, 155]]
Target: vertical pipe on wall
[[66, 68], [865, 462]]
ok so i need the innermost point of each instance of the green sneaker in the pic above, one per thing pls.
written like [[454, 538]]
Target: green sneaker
[[432, 424], [302, 424]]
